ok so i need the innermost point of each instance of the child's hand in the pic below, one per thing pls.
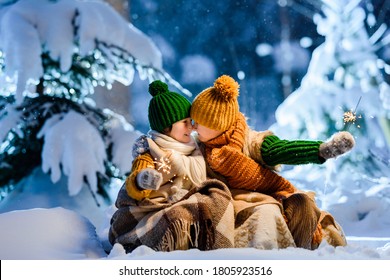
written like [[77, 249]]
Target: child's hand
[[178, 194], [340, 143], [149, 179]]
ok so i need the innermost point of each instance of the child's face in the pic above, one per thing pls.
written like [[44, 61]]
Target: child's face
[[205, 134], [181, 130]]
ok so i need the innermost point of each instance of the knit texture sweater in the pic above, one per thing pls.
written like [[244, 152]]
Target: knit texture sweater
[[275, 151], [225, 156]]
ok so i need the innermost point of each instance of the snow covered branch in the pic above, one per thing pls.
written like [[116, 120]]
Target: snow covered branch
[[67, 48], [76, 149], [52, 56], [88, 145]]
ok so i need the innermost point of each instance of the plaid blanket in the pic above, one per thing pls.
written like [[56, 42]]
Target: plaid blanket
[[203, 219]]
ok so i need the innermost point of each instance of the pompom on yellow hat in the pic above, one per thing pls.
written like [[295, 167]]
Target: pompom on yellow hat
[[217, 107]]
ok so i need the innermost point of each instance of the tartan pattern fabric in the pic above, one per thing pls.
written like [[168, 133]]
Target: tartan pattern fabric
[[203, 219]]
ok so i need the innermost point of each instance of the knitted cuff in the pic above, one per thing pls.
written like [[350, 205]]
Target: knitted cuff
[[275, 151], [140, 163]]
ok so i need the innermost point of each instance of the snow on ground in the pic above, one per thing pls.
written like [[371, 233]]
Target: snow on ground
[[55, 233], [61, 234], [41, 224]]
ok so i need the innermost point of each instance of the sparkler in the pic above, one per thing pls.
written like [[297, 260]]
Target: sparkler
[[350, 116], [163, 164]]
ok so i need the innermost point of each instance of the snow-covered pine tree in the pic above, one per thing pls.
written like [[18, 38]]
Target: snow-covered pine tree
[[52, 56], [345, 78]]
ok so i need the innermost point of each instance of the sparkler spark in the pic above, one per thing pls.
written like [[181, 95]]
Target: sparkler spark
[[163, 164], [350, 116]]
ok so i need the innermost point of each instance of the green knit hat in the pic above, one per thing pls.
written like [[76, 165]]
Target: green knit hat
[[166, 107]]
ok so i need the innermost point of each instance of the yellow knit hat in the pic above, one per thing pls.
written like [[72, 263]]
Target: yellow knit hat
[[217, 107]]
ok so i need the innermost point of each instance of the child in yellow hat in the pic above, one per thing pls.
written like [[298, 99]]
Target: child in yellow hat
[[246, 159]]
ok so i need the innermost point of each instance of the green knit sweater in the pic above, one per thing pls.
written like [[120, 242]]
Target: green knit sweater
[[275, 151]]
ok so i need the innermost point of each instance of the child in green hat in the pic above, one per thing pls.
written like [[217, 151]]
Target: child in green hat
[[167, 203], [167, 162]]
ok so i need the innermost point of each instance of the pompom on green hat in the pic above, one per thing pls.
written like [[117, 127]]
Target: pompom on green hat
[[166, 107]]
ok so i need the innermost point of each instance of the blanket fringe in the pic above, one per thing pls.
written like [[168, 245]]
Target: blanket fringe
[[178, 237], [183, 235]]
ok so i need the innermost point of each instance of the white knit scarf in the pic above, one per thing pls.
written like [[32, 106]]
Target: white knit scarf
[[185, 155], [166, 142]]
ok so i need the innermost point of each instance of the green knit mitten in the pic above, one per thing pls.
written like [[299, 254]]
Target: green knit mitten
[[275, 151]]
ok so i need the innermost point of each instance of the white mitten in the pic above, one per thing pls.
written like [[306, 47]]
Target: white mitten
[[149, 179], [340, 143], [179, 194]]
